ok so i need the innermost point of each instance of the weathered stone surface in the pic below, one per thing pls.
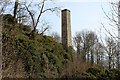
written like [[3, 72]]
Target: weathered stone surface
[[66, 28]]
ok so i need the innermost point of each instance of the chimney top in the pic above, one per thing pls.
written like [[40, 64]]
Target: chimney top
[[65, 10]]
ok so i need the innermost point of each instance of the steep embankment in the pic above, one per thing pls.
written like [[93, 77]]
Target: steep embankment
[[43, 57], [27, 57]]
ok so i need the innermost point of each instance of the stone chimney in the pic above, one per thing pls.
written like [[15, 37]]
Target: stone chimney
[[66, 29]]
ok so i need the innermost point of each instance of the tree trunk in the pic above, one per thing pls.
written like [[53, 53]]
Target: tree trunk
[[109, 61], [15, 8], [92, 57]]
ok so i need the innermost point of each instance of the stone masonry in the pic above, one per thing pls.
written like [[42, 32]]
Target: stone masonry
[[66, 29]]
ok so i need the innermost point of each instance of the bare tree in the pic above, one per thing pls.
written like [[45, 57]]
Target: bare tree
[[93, 40], [110, 49], [24, 11], [114, 21], [15, 8], [80, 44], [77, 42], [42, 10], [99, 50], [85, 45]]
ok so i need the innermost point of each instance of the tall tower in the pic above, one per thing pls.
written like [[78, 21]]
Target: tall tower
[[66, 29]]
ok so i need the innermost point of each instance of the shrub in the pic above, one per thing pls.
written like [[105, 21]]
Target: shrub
[[94, 71]]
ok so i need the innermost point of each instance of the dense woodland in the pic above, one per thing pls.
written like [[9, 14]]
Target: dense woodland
[[29, 53]]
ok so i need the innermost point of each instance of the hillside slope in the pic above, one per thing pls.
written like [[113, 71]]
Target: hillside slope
[[26, 57], [43, 57]]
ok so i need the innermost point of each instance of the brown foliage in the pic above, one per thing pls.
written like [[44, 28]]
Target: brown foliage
[[77, 65]]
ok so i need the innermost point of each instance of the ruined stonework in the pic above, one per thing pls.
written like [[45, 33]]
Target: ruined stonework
[[66, 29]]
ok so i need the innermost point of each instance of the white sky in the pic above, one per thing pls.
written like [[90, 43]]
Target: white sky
[[84, 15], [73, 0], [85, 0]]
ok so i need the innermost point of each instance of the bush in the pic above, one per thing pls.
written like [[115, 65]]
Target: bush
[[104, 74], [87, 76], [94, 71], [9, 19]]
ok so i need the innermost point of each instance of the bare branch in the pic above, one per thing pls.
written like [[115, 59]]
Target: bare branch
[[51, 9], [40, 13], [44, 30], [31, 15], [108, 31], [111, 19]]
